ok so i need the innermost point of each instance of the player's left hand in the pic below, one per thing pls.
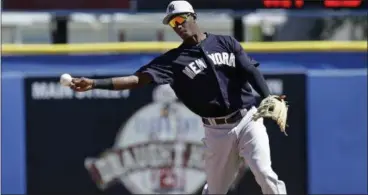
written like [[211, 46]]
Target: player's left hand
[[274, 107]]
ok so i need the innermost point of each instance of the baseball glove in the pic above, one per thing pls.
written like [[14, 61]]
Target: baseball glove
[[274, 107]]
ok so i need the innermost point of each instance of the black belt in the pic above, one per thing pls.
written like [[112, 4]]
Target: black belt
[[220, 121]]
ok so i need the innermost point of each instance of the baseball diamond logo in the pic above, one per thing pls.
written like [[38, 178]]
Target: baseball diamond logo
[[157, 151]]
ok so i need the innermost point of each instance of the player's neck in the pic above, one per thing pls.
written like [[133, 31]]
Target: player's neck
[[196, 38]]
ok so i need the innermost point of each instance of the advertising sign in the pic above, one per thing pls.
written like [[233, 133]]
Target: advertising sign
[[138, 141]]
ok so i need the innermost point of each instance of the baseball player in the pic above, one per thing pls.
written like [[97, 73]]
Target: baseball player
[[211, 74]]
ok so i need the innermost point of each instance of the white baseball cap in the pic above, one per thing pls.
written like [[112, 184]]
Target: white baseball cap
[[177, 7]]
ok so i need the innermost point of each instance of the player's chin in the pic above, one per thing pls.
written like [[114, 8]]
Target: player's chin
[[184, 35]]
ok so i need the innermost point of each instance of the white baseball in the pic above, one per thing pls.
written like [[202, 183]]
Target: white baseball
[[65, 79]]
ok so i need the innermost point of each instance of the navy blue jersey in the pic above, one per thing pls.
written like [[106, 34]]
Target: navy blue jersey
[[209, 78]]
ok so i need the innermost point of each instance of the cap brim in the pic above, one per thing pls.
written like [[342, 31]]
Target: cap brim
[[167, 18]]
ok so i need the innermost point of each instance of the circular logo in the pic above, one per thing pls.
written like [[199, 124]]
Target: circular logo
[[157, 151]]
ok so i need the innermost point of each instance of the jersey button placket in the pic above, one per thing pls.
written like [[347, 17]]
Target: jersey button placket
[[223, 94]]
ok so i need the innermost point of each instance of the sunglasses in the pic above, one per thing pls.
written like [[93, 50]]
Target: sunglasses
[[178, 20]]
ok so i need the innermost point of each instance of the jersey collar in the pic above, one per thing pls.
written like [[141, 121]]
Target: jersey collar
[[209, 37]]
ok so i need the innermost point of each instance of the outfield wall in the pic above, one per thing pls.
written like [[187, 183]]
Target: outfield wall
[[326, 84]]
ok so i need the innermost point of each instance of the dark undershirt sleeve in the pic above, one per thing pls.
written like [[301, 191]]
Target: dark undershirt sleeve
[[159, 69], [249, 67]]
